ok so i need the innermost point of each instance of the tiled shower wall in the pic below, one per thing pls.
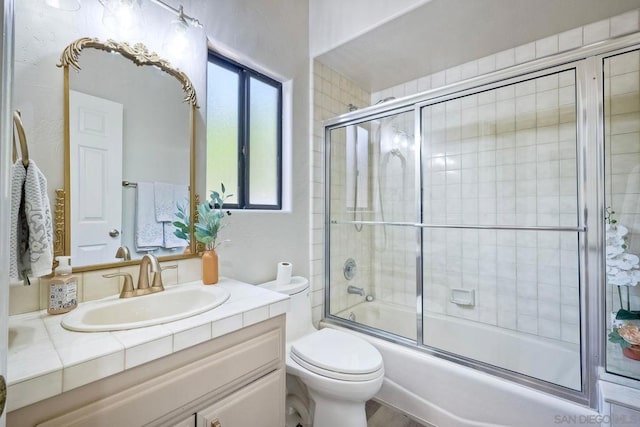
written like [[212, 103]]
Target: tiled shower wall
[[393, 246], [332, 94], [504, 157]]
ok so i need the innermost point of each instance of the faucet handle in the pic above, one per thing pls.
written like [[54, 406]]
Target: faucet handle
[[157, 278], [127, 288]]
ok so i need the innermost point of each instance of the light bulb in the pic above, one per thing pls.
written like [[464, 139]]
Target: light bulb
[[177, 39], [120, 14]]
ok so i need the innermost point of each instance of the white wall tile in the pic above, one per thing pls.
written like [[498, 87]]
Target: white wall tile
[[525, 53], [438, 79], [424, 83], [468, 70], [547, 46], [505, 59], [486, 64], [625, 23], [453, 75], [596, 32], [570, 39]]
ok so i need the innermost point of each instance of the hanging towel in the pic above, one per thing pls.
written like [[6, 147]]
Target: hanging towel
[[31, 235], [165, 206], [180, 196], [18, 234], [148, 232]]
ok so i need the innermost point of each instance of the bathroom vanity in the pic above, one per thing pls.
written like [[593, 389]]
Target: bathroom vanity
[[222, 367]]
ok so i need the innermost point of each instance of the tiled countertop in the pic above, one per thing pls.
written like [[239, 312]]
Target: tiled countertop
[[45, 359]]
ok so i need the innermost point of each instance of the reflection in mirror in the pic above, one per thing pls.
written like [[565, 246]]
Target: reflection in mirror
[[622, 200], [129, 145]]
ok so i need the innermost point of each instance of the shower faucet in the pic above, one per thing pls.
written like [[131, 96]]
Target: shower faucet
[[355, 290]]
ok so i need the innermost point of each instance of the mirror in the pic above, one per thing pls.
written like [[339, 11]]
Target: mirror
[[129, 154]]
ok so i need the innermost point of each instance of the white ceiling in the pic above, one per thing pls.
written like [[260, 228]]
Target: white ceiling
[[444, 33]]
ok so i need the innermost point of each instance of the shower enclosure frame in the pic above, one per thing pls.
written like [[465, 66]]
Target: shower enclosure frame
[[589, 107]]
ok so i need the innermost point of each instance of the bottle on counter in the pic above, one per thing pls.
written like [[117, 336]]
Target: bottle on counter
[[63, 288]]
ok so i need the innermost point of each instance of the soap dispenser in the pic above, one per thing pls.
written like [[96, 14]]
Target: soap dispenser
[[63, 288]]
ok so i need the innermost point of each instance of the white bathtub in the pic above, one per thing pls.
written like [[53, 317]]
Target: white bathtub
[[443, 393]]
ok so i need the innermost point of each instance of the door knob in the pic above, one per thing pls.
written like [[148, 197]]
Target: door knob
[[114, 233]]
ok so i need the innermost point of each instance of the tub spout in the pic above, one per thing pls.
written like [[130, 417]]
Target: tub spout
[[355, 290]]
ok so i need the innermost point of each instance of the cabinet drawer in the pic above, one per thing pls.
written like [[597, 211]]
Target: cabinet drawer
[[259, 404]]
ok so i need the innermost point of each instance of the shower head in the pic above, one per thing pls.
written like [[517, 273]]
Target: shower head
[[388, 98]]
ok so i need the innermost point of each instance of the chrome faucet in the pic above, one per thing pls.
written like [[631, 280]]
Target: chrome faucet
[[355, 290]]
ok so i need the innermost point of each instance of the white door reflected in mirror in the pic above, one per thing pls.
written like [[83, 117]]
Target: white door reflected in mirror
[[96, 178]]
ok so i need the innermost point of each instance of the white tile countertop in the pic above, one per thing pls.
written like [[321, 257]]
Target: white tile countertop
[[44, 359]]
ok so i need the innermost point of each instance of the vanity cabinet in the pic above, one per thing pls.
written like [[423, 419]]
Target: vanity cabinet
[[257, 404], [238, 378]]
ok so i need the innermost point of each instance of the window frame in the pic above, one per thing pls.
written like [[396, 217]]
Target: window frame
[[245, 74]]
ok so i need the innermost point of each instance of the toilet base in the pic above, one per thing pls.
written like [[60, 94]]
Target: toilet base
[[329, 412]]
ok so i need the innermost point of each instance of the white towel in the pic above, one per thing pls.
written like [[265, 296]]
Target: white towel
[[170, 239], [31, 235], [164, 201], [18, 235], [148, 232], [180, 196]]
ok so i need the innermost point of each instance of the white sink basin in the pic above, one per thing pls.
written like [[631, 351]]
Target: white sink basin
[[172, 304]]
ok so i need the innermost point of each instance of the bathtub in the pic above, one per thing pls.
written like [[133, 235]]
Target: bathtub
[[443, 393]]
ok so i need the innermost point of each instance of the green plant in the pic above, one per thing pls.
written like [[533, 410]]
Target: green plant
[[210, 219], [614, 337]]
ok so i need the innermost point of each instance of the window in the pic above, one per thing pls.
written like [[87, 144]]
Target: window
[[244, 134]]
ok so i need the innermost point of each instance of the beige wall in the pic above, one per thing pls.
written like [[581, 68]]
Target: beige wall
[[271, 36]]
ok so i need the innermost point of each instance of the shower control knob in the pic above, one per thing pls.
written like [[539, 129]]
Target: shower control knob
[[349, 268]]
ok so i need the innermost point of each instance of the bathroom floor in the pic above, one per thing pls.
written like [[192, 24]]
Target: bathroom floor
[[382, 416]]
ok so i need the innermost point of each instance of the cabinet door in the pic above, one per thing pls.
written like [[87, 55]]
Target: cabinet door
[[187, 422], [260, 403]]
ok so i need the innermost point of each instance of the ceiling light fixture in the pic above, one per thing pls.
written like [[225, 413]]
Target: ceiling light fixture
[[176, 40], [179, 12]]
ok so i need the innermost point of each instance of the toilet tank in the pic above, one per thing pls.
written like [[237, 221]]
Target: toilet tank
[[299, 312]]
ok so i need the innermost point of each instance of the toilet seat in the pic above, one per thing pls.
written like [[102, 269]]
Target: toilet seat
[[338, 355]]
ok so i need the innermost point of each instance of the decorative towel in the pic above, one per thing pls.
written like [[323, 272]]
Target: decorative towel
[[180, 196], [148, 231], [165, 206], [31, 235]]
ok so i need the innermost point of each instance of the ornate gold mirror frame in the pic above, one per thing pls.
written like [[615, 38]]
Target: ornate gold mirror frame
[[140, 56]]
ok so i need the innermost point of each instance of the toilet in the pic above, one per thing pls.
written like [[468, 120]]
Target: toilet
[[340, 371]]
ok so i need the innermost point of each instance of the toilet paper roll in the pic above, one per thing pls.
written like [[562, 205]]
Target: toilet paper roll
[[284, 273]]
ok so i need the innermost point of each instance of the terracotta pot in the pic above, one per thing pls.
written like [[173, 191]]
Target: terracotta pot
[[632, 352], [210, 267]]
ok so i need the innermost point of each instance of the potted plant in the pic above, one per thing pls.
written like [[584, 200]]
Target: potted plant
[[209, 223], [623, 271]]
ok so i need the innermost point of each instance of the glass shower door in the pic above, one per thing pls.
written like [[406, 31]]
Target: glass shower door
[[501, 234], [372, 238]]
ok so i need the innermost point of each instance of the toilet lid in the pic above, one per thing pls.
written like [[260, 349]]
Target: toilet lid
[[338, 355]]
